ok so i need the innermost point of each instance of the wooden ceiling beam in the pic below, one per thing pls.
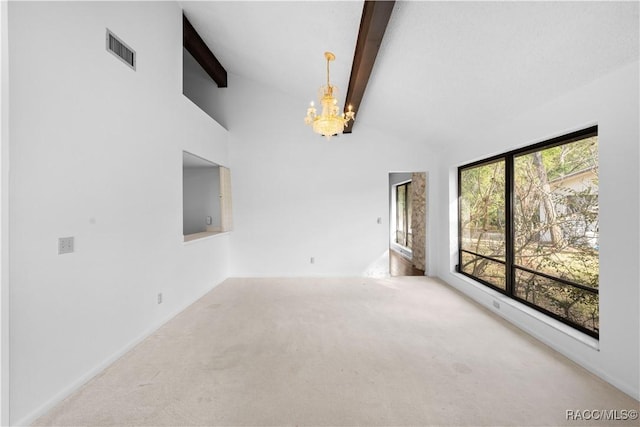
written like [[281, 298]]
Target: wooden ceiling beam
[[194, 44], [375, 17]]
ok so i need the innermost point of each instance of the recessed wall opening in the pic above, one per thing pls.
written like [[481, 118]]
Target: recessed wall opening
[[202, 74], [206, 197], [200, 89]]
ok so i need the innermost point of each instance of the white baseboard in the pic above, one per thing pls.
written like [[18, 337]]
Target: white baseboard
[[89, 375], [455, 282]]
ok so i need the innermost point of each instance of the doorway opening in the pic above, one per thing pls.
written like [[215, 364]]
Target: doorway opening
[[407, 223]]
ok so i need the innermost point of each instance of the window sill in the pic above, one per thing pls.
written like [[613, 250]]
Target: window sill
[[541, 317], [406, 252], [204, 235]]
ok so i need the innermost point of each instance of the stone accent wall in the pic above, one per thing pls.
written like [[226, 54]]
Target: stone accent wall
[[418, 218]]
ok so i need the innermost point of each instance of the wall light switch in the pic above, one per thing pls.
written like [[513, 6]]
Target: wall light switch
[[379, 220], [209, 220], [65, 245]]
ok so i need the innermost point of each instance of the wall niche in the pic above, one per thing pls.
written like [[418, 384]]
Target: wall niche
[[206, 197]]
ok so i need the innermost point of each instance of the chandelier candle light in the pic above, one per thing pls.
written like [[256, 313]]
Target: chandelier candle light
[[330, 122]]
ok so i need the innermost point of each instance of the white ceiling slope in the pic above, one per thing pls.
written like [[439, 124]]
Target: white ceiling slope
[[281, 44], [443, 67]]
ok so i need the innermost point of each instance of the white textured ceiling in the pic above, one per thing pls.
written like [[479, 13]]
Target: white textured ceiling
[[280, 44], [443, 67]]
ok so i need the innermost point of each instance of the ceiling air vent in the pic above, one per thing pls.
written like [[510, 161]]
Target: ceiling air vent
[[121, 50]]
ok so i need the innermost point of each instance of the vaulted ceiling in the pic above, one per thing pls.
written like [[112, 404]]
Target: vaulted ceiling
[[443, 67]]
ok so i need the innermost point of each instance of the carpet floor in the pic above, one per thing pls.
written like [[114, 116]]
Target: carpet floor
[[338, 352]]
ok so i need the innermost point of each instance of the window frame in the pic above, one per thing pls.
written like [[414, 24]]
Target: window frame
[[406, 218], [509, 263]]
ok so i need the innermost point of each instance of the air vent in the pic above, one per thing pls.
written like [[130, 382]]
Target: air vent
[[121, 50]]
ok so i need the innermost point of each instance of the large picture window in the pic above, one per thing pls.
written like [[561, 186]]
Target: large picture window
[[528, 226]]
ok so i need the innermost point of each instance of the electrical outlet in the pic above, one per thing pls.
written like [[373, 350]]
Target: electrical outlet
[[65, 245], [160, 298], [496, 304], [209, 220]]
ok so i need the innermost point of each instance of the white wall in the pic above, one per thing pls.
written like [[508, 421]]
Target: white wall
[[4, 214], [297, 195], [398, 177], [612, 103], [201, 198], [96, 153]]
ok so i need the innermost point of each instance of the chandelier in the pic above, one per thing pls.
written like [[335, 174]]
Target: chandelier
[[330, 122]]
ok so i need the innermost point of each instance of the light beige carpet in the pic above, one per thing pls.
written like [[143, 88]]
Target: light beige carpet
[[338, 352]]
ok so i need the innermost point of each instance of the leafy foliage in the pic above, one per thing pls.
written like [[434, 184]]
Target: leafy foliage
[[555, 221]]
